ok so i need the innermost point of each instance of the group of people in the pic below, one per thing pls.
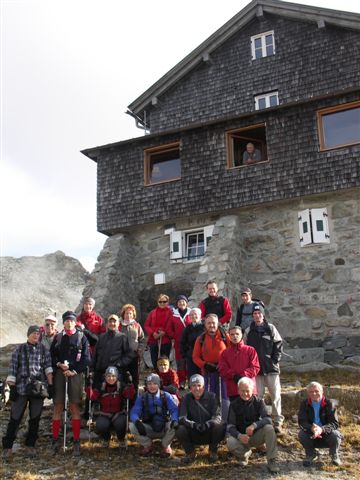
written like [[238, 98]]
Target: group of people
[[226, 366]]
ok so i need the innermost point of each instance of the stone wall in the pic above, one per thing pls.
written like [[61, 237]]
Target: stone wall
[[311, 293]]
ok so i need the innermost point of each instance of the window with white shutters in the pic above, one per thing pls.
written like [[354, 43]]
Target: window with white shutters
[[189, 245]]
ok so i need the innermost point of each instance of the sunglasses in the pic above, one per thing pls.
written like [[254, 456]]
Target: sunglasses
[[162, 301]]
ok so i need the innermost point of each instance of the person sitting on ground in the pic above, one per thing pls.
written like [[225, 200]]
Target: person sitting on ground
[[113, 408], [154, 415], [48, 331], [199, 421], [251, 154], [249, 425], [168, 376], [319, 425], [29, 361]]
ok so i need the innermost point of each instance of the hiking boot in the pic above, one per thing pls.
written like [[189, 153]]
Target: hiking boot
[[272, 466], [213, 456], [7, 454], [309, 459], [55, 445], [76, 448], [166, 452], [335, 460], [188, 459], [146, 451], [243, 461]]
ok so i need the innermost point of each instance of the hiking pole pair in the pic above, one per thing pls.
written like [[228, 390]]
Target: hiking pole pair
[[65, 406]]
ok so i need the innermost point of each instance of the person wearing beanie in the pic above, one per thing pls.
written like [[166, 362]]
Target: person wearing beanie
[[169, 377], [112, 397], [199, 421], [112, 349], [48, 331], [156, 325], [154, 415], [244, 312], [188, 338], [266, 340], [136, 339], [29, 361], [70, 358], [175, 327], [215, 303], [90, 322]]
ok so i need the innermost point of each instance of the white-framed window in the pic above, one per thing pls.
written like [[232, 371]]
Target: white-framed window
[[313, 226], [262, 45], [266, 100], [189, 245]]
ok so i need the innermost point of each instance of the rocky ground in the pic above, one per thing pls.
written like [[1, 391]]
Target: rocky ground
[[99, 463]]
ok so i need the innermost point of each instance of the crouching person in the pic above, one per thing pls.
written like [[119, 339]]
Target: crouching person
[[154, 415], [29, 362], [199, 421], [249, 425], [319, 425], [112, 396]]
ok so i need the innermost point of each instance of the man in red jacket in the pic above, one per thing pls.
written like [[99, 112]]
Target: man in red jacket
[[237, 361]]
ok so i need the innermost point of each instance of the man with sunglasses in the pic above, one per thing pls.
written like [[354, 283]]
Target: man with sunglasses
[[48, 331]]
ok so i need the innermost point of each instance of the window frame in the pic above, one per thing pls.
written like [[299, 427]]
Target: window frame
[[237, 133], [266, 96], [179, 240], [313, 227], [326, 111], [262, 36], [149, 152]]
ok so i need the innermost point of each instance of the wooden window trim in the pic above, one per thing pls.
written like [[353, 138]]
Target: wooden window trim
[[229, 147], [148, 152], [326, 111]]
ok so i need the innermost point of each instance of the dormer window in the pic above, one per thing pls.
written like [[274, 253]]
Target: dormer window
[[162, 164], [262, 45]]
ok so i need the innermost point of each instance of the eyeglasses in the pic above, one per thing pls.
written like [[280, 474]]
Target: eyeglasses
[[162, 301]]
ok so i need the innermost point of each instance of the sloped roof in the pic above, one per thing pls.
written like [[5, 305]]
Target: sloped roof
[[257, 8]]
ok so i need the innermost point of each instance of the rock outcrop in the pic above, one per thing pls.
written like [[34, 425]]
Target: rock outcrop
[[33, 287]]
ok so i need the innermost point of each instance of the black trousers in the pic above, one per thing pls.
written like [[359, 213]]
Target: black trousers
[[331, 441], [189, 438]]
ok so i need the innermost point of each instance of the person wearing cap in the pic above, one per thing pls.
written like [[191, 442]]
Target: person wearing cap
[[175, 327], [206, 355], [48, 331], [155, 326], [154, 415], [266, 340], [90, 322], [70, 358], [168, 377], [29, 361], [249, 425], [237, 361], [112, 396], [244, 312], [215, 303], [112, 349], [187, 341], [136, 338], [199, 421]]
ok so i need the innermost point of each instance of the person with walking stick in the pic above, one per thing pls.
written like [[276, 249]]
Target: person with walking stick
[[70, 358]]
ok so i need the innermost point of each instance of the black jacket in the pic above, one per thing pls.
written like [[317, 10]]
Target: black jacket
[[243, 413], [73, 348], [188, 338], [113, 349], [268, 345], [207, 409], [328, 416]]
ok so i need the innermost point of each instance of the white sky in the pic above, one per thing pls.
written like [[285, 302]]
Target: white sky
[[69, 68]]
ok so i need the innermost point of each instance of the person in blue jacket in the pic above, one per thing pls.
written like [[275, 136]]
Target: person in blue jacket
[[154, 415]]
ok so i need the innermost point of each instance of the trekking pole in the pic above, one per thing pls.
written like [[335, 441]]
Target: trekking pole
[[126, 440], [90, 419], [220, 393], [65, 406]]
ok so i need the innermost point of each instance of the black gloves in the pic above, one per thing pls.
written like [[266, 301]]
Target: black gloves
[[13, 393], [50, 390], [210, 367], [174, 424], [236, 378], [201, 427], [140, 427]]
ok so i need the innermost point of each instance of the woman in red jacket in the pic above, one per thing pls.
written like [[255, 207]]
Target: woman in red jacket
[[156, 326]]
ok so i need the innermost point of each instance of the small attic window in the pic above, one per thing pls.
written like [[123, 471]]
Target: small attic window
[[262, 45], [266, 100], [162, 164]]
